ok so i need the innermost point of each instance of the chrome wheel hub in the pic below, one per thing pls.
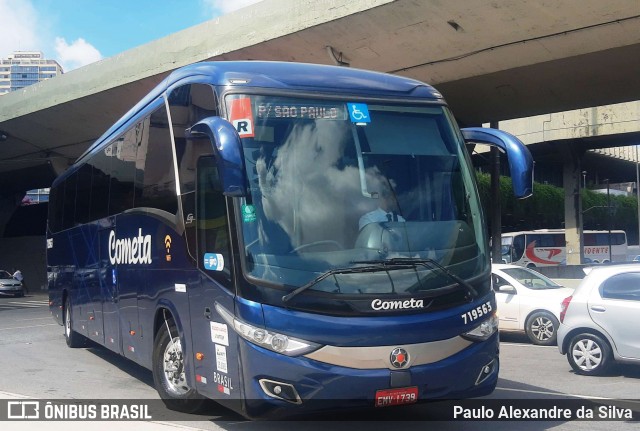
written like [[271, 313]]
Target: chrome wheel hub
[[542, 328], [173, 367]]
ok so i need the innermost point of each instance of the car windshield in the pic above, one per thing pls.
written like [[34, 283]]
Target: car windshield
[[338, 185], [531, 279], [4, 275]]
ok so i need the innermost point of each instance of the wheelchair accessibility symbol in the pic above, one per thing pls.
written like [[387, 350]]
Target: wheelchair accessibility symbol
[[358, 112]]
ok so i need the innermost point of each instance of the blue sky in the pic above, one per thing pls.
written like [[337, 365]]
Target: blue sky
[[79, 32]]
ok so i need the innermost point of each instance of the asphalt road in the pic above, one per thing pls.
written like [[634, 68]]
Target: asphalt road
[[39, 365]]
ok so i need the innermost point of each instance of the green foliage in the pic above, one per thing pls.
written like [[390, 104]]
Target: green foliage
[[545, 209]]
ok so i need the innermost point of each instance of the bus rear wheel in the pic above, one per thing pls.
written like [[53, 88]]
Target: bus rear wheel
[[169, 374], [72, 338]]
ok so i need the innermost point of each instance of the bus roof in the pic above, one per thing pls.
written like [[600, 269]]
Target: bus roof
[[302, 77]]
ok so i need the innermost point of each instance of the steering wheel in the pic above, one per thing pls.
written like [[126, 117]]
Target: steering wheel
[[336, 244]]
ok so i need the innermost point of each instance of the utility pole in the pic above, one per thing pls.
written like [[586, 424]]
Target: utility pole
[[638, 191], [496, 219]]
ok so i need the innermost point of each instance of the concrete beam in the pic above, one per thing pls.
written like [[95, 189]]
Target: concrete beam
[[212, 39]]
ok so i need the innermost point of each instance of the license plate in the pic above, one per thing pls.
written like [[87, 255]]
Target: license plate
[[398, 396]]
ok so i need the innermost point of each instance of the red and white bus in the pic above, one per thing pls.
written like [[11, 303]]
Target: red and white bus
[[547, 247]]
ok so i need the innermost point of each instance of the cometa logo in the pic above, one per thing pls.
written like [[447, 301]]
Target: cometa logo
[[132, 251], [379, 304]]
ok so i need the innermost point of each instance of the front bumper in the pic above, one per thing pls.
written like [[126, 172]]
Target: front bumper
[[320, 387]]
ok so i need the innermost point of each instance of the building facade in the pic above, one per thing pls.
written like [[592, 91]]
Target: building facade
[[23, 68]]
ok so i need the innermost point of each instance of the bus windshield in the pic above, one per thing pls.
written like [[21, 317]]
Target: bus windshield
[[335, 185]]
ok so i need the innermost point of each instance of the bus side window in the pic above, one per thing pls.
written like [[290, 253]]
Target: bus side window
[[123, 172], [518, 247], [188, 105], [211, 219], [155, 179]]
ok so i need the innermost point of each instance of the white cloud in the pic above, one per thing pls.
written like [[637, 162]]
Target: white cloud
[[77, 54], [221, 7], [22, 28], [18, 24]]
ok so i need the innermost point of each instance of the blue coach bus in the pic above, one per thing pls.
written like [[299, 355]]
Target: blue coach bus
[[283, 238]]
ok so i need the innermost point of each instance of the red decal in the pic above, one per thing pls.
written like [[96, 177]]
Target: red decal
[[553, 252], [241, 117], [530, 253]]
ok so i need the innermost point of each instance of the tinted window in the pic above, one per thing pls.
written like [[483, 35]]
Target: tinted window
[[100, 182], [618, 238], [155, 178], [123, 171], [188, 105], [83, 194], [622, 286], [69, 210], [213, 230], [518, 247], [531, 279], [55, 207], [499, 281]]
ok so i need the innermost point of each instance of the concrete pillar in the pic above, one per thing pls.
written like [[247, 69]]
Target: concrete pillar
[[496, 207], [571, 180]]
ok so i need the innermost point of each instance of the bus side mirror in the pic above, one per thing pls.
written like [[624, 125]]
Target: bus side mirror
[[228, 151], [520, 160]]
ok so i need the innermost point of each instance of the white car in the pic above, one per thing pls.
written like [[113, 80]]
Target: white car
[[600, 321], [528, 302]]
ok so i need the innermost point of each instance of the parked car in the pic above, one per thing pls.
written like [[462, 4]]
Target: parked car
[[600, 321], [9, 285], [528, 302]]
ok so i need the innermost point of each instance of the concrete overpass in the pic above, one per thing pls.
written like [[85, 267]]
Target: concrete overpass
[[492, 61]]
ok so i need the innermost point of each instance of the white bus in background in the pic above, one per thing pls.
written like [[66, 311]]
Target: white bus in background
[[547, 247]]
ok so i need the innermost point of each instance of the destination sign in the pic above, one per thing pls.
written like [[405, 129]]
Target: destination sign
[[304, 111]]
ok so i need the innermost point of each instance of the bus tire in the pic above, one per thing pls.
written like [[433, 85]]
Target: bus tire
[[72, 338], [542, 328], [169, 375]]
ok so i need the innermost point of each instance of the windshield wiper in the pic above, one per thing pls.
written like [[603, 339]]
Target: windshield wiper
[[428, 263], [373, 267], [383, 265]]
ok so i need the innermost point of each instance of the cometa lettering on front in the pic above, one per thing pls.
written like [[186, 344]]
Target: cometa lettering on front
[[379, 304], [130, 251]]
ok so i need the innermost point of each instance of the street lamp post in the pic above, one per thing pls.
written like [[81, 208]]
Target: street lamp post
[[584, 178]]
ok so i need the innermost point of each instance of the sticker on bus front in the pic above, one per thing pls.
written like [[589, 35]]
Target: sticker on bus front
[[213, 261], [248, 213], [241, 116], [359, 112]]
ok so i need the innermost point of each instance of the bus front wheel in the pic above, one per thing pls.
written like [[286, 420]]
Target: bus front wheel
[[169, 374]]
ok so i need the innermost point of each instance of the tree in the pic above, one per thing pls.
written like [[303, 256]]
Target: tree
[[545, 209]]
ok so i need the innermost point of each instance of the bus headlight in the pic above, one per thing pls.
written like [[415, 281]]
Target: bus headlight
[[484, 330], [273, 341]]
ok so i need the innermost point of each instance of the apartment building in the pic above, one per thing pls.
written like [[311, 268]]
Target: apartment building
[[23, 68]]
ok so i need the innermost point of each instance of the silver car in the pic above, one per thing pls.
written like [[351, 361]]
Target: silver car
[[600, 321], [9, 285]]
